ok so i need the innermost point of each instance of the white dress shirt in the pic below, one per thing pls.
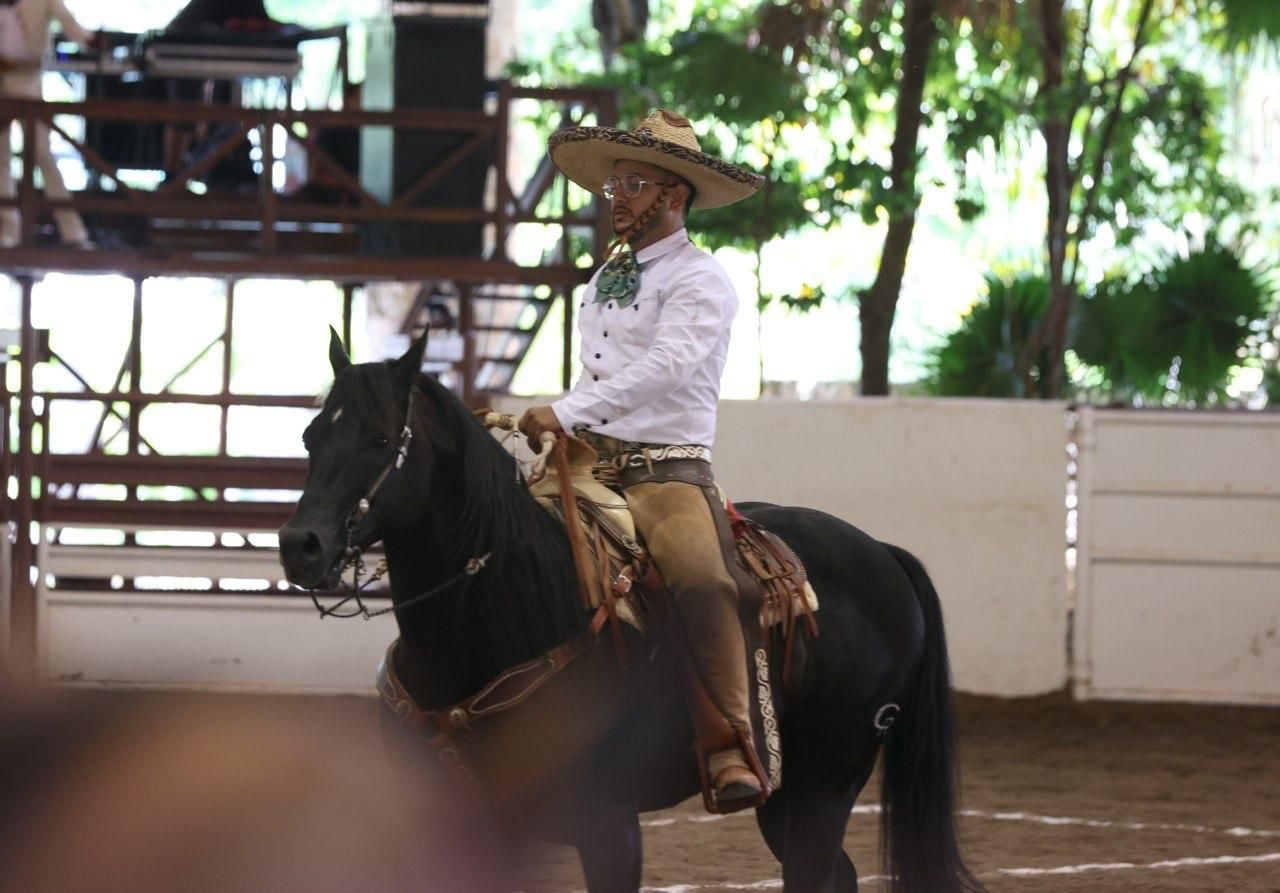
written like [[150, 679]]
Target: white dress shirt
[[651, 370]]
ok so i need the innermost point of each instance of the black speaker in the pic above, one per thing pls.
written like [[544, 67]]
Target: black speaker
[[432, 63], [130, 144], [134, 145]]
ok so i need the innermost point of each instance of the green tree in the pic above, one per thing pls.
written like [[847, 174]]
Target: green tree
[[960, 64], [1130, 134], [1173, 334], [1128, 131]]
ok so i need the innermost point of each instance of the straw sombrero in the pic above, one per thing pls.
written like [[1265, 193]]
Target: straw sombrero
[[586, 156]]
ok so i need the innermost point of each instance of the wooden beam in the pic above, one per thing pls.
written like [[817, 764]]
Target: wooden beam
[[256, 473], [343, 268]]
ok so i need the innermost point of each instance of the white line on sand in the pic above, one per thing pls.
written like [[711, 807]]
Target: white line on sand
[[1189, 862], [1029, 817], [1103, 823], [1032, 818], [1085, 868]]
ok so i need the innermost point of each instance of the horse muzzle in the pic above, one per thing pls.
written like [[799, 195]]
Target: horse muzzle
[[307, 560]]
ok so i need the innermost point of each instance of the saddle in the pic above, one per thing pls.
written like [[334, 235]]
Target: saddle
[[621, 580], [623, 574]]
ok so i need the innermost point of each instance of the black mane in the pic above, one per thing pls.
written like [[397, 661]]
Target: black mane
[[525, 601]]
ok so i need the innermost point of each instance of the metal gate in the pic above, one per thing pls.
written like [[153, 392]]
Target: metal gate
[[1178, 556]]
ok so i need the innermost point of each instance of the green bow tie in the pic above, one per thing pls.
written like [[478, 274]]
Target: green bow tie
[[619, 280]]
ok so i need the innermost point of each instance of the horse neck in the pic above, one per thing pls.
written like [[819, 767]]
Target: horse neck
[[518, 607], [439, 664]]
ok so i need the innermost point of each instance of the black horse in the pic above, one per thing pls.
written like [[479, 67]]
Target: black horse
[[615, 742]]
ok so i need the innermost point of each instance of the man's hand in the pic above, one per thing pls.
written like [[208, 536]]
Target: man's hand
[[537, 420]]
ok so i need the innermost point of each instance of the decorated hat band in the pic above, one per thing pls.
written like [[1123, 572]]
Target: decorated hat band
[[586, 155]]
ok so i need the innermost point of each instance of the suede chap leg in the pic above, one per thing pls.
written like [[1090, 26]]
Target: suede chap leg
[[676, 522]]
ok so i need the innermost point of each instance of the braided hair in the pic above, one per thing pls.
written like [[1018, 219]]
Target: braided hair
[[645, 216]]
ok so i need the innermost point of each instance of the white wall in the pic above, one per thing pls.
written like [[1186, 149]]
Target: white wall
[[260, 641], [256, 643], [1179, 554], [975, 488]]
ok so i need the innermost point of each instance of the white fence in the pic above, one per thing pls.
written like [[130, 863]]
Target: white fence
[[1179, 556], [257, 641]]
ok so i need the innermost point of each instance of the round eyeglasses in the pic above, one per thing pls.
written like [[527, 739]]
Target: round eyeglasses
[[630, 186]]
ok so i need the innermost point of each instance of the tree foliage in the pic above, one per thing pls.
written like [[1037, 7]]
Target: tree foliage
[[1174, 334], [1114, 96], [980, 358]]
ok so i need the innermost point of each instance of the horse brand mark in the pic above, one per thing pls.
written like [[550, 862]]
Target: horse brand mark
[[885, 717], [768, 719]]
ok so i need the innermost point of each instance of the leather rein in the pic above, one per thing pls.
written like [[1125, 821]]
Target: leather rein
[[508, 689], [514, 685], [353, 556]]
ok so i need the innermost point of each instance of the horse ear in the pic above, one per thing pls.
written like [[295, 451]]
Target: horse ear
[[408, 366], [338, 358]]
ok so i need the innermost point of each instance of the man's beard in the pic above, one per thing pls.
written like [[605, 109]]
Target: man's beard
[[645, 228]]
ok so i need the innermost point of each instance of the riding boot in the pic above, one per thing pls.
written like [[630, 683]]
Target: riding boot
[[678, 526], [720, 660]]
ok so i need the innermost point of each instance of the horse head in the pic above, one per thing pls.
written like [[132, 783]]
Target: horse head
[[357, 447]]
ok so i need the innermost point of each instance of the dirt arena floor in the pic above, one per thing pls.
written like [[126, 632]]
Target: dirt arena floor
[[1057, 796], [242, 794]]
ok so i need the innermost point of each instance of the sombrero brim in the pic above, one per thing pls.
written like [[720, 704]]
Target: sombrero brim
[[586, 156]]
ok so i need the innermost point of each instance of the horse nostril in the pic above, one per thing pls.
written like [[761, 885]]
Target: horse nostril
[[311, 545], [302, 553], [300, 545]]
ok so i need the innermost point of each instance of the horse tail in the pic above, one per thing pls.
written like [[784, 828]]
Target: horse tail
[[918, 796]]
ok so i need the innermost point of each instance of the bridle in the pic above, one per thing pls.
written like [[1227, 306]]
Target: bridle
[[353, 556]]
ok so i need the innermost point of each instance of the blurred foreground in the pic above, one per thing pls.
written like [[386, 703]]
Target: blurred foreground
[[151, 792], [108, 791]]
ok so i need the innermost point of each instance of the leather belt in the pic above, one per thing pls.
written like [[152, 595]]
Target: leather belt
[[648, 455], [622, 454]]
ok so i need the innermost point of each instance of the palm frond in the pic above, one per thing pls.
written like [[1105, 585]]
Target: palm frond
[[979, 359]]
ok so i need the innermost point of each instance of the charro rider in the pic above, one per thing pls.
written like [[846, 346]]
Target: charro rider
[[655, 324]]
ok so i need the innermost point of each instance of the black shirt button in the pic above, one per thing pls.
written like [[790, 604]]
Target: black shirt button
[[597, 356], [610, 306], [604, 421], [595, 378], [606, 334]]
